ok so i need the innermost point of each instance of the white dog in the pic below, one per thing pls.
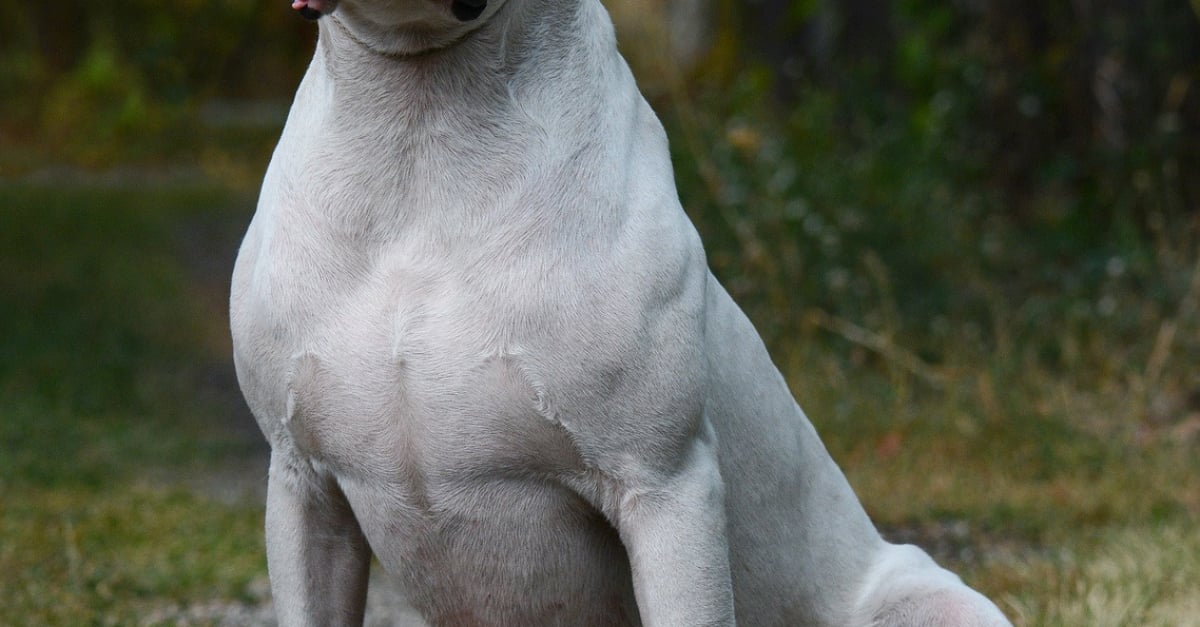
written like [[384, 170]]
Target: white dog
[[481, 337]]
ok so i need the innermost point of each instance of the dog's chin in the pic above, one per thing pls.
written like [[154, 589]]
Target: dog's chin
[[413, 26], [399, 13], [468, 10]]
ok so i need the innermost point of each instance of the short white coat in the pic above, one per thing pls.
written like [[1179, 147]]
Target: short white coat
[[481, 337]]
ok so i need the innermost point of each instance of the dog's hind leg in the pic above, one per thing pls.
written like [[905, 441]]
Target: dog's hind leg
[[316, 553]]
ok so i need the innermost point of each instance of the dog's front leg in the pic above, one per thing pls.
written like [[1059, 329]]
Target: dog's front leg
[[316, 553], [675, 534]]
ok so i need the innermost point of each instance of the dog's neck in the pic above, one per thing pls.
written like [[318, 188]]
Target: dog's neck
[[528, 55], [460, 128], [518, 31]]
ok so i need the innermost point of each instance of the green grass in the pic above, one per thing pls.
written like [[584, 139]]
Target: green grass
[[1059, 524], [1139, 575], [108, 330], [114, 554]]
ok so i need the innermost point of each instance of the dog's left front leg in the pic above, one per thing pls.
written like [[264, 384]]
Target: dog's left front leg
[[675, 535], [317, 556]]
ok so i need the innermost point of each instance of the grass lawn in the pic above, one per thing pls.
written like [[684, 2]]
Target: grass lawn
[[128, 470], [117, 434]]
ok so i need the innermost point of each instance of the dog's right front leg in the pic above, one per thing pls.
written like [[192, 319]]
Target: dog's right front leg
[[678, 548], [316, 553]]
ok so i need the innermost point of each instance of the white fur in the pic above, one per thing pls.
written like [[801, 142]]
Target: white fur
[[481, 337]]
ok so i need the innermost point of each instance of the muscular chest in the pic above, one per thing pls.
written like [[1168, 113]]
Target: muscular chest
[[463, 357], [394, 364]]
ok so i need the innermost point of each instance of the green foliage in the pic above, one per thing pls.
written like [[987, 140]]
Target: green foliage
[[97, 83], [960, 193], [103, 100]]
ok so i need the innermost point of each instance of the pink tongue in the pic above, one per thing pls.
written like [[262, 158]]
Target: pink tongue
[[316, 5]]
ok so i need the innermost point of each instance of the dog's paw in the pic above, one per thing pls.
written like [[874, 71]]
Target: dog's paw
[[949, 607], [906, 588]]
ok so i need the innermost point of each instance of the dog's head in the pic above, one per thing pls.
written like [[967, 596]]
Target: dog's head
[[404, 25]]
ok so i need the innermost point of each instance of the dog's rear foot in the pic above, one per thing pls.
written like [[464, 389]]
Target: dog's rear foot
[[942, 608], [906, 588]]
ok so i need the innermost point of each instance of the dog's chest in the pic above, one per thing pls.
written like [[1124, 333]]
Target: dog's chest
[[393, 370]]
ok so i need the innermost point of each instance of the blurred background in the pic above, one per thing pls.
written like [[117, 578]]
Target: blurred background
[[967, 230]]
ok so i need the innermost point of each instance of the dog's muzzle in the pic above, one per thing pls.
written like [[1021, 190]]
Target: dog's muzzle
[[468, 10]]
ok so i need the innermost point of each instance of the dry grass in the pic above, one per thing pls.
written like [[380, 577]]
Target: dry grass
[[1146, 576]]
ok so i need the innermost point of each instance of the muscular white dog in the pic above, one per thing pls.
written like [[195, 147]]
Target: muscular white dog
[[481, 337]]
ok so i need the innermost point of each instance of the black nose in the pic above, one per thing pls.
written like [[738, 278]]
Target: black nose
[[310, 14], [468, 10]]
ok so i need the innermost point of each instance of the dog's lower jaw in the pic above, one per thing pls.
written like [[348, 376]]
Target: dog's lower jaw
[[468, 10]]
